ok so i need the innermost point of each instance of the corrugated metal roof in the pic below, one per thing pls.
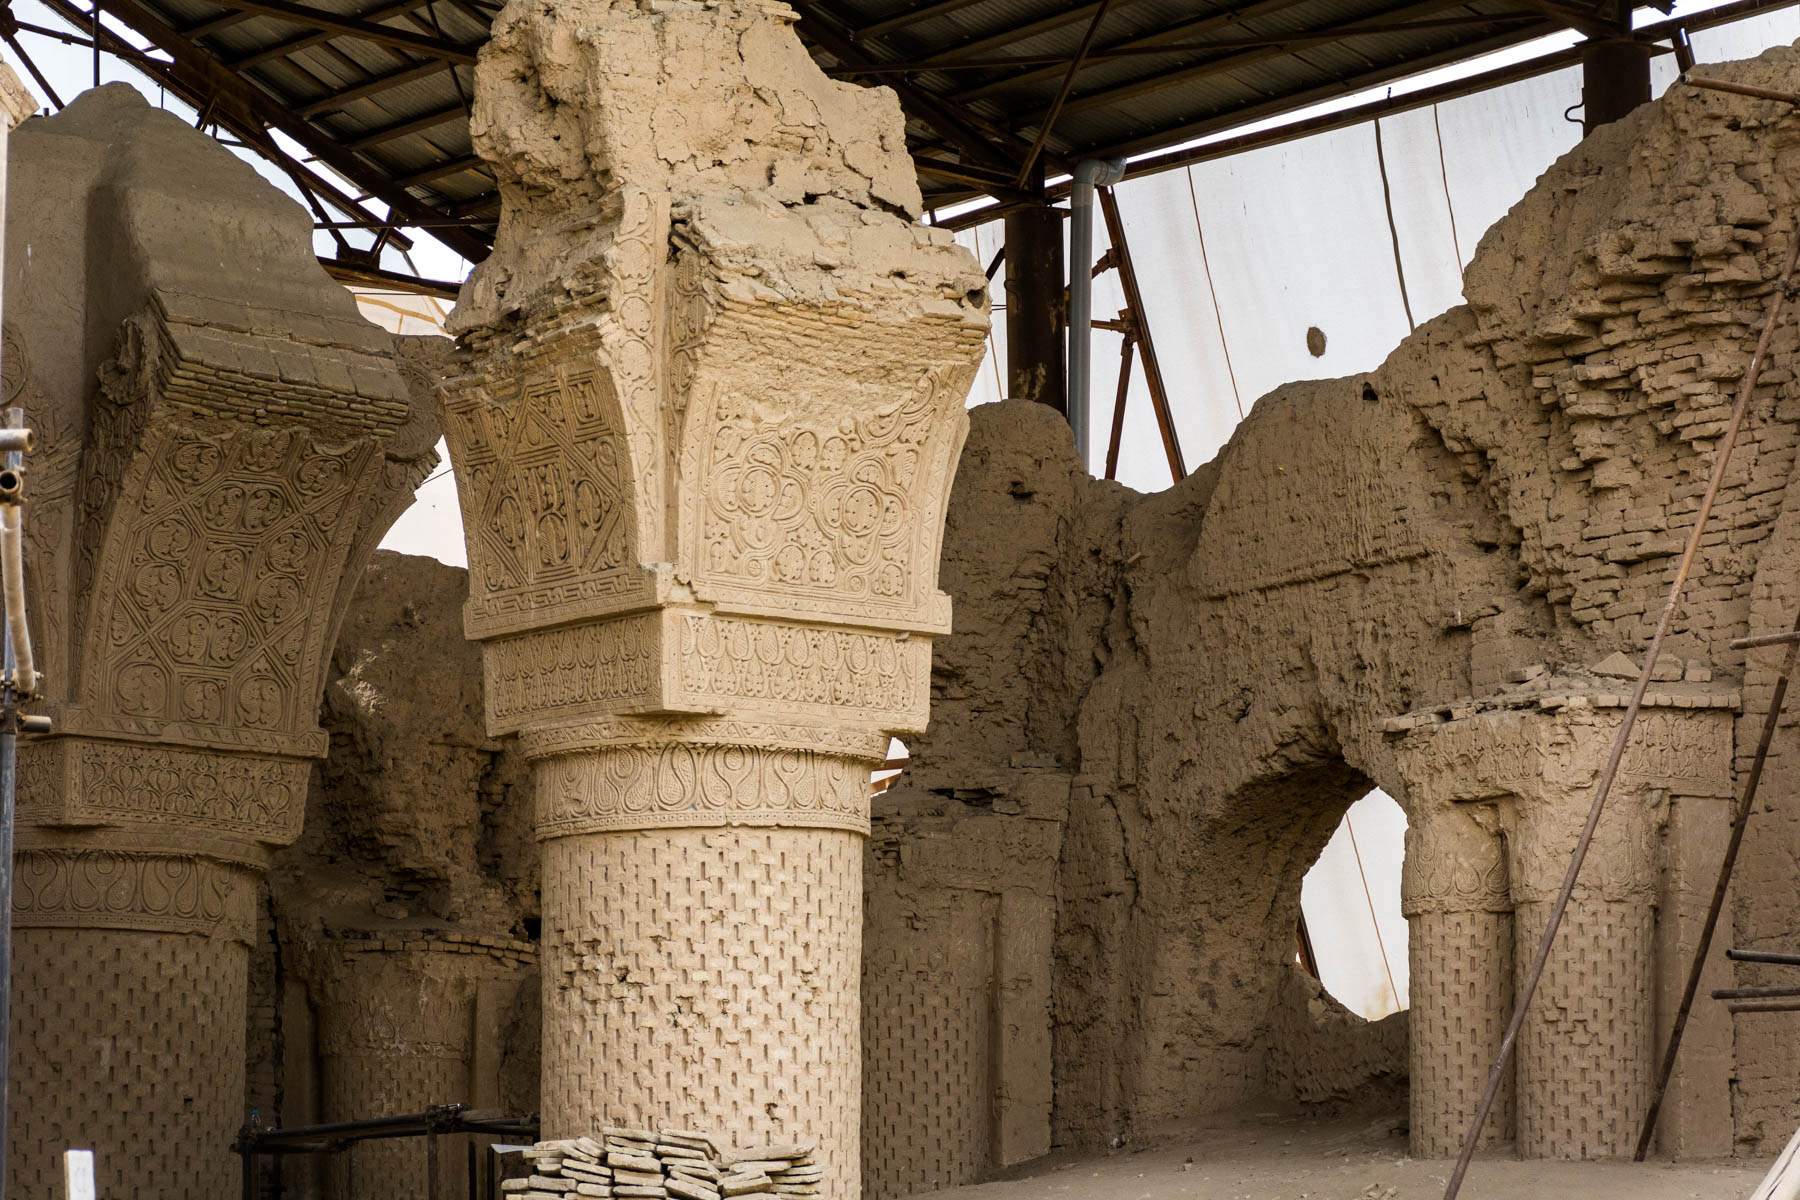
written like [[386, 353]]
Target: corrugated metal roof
[[379, 89]]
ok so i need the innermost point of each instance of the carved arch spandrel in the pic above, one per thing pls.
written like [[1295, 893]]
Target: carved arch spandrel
[[829, 501], [546, 476], [219, 564]]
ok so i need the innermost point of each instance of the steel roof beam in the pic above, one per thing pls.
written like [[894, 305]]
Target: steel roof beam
[[373, 87], [296, 44], [253, 110], [419, 124], [355, 27]]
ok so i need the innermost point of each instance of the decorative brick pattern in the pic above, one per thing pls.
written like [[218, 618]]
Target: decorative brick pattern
[[1586, 1047], [131, 1043], [706, 979], [1462, 984], [927, 1078]]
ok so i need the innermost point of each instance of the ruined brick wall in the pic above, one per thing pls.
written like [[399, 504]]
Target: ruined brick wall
[[399, 960], [1390, 580]]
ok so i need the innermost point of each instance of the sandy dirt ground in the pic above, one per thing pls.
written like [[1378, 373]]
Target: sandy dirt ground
[[1276, 1157]]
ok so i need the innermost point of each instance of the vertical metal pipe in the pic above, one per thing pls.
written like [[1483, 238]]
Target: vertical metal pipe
[[9, 758], [1088, 173], [431, 1163]]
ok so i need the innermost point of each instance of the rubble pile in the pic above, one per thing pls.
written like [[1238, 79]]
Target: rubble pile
[[673, 1163]]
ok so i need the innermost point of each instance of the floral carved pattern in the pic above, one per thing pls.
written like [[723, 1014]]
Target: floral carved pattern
[[99, 889], [641, 787]]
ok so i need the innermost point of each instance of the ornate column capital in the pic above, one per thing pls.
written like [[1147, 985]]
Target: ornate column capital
[[713, 392]]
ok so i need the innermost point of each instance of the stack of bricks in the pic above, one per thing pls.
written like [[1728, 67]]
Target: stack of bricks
[[671, 1163]]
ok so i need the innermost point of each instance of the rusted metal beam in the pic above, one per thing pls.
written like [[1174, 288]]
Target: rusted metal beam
[[1126, 346], [293, 45], [923, 66], [1763, 956], [1740, 819], [1522, 1003], [374, 87], [1173, 33], [1134, 299], [371, 276], [388, 133], [1615, 78], [249, 112], [1048, 121], [1035, 366], [367, 31], [1742, 89], [451, 166], [1106, 97]]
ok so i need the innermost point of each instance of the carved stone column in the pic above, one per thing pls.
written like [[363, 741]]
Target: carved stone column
[[1586, 1050], [704, 437], [1497, 799], [1460, 952], [405, 1025], [195, 526]]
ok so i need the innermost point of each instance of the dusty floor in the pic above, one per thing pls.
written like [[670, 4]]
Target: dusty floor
[[1273, 1157]]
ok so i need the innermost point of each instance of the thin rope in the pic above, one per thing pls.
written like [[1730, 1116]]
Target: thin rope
[[1387, 200], [1218, 316], [1449, 206], [1373, 919]]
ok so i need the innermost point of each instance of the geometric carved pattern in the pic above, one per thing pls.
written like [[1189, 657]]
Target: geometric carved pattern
[[927, 1081], [678, 783], [1462, 987], [1586, 1047], [133, 1043], [700, 978], [222, 560], [540, 463]]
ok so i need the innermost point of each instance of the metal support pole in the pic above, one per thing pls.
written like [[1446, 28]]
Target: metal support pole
[[1739, 819], [9, 752], [1615, 78], [1126, 348], [1134, 299], [1035, 368]]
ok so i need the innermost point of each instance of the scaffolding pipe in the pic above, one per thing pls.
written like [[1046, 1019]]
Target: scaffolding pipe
[[1089, 173], [12, 577]]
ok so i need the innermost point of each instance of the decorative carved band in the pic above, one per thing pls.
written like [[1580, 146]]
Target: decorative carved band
[[81, 781], [116, 889], [684, 784], [544, 741], [683, 661], [1453, 864]]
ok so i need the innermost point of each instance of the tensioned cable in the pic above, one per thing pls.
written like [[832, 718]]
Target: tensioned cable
[[1387, 200], [1380, 944], [1218, 316], [1449, 206]]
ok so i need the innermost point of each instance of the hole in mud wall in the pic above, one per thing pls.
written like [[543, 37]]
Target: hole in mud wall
[[1350, 908]]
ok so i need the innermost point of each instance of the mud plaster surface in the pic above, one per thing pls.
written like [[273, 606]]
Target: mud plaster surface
[[1276, 1157]]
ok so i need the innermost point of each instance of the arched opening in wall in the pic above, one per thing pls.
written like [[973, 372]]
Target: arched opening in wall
[[1352, 935]]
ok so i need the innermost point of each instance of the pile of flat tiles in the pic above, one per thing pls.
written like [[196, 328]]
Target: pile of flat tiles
[[631, 1163]]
